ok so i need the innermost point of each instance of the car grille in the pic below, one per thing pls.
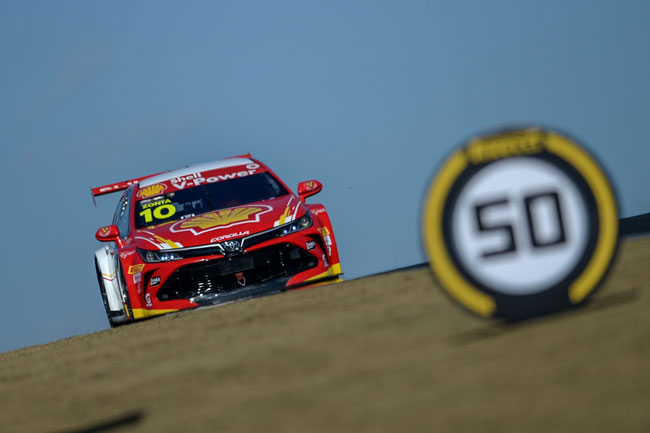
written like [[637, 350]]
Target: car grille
[[234, 272]]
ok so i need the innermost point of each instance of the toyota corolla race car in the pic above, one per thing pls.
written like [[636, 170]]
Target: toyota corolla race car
[[208, 234]]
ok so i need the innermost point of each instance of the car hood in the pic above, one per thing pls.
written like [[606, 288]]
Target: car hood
[[217, 226]]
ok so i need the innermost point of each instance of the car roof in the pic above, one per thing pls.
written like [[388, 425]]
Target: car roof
[[206, 166]]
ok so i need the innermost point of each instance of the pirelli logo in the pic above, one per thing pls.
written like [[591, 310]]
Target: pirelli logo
[[493, 147]]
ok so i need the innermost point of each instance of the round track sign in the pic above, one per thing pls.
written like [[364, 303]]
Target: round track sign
[[520, 223]]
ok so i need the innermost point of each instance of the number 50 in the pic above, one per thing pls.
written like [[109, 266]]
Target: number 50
[[550, 197]]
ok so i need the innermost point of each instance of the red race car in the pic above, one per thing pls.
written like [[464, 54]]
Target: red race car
[[208, 234]]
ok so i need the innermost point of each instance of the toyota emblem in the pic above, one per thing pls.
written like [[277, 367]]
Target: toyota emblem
[[232, 246]]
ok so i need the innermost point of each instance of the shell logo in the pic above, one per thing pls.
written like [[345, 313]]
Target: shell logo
[[221, 218], [152, 190]]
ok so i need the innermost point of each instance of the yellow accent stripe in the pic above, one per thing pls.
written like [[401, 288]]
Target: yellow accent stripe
[[166, 241], [141, 313], [319, 276], [323, 283], [439, 259], [607, 210], [285, 215], [334, 269]]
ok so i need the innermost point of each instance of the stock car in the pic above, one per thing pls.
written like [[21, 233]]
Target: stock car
[[208, 234]]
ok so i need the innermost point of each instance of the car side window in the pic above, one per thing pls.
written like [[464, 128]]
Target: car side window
[[121, 218]]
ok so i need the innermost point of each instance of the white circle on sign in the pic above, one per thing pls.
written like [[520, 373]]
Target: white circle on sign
[[520, 226]]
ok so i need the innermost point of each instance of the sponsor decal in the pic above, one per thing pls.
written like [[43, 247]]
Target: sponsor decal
[[125, 254], [155, 203], [520, 223], [135, 269], [318, 211], [147, 298], [325, 233], [152, 190], [310, 245], [103, 232], [221, 219], [137, 278], [196, 179], [310, 185], [241, 279], [492, 149], [325, 263], [229, 236], [154, 282]]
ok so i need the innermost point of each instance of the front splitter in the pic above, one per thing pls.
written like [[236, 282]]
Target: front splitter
[[267, 288]]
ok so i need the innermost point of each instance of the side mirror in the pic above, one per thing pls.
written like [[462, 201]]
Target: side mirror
[[109, 234], [308, 188]]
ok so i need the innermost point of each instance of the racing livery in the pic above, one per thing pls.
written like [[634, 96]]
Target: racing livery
[[208, 234]]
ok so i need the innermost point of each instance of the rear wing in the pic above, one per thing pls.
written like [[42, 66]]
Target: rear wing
[[119, 186]]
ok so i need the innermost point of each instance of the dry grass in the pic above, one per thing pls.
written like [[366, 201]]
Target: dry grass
[[383, 353]]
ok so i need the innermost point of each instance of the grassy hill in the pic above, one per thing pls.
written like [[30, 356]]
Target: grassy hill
[[383, 353]]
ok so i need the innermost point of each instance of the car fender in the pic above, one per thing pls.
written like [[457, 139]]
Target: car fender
[[107, 268], [327, 233]]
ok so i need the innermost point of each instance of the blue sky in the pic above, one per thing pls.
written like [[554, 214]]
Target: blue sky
[[366, 96]]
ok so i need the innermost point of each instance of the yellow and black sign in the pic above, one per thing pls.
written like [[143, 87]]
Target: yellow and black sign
[[520, 223]]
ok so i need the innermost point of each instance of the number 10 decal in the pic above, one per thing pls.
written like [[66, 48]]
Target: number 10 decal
[[160, 213], [529, 202]]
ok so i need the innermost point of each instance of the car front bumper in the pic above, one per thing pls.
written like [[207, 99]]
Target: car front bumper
[[286, 262]]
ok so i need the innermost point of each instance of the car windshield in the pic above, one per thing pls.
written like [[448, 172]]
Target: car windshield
[[193, 201]]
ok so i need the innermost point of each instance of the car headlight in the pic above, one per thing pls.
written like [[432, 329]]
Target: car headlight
[[150, 256], [294, 226]]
